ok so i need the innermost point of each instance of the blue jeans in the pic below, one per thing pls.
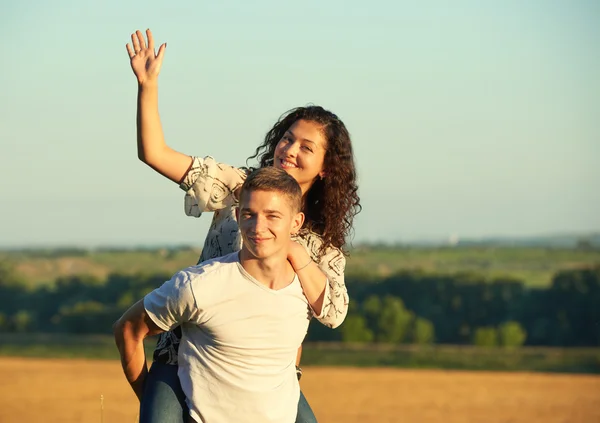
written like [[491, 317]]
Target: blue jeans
[[305, 413], [164, 401]]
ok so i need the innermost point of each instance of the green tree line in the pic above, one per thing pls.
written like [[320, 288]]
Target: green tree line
[[407, 307]]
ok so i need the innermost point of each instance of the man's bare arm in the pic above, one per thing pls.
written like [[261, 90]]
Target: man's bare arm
[[130, 331]]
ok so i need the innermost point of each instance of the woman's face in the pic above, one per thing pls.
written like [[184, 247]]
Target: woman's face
[[301, 153]]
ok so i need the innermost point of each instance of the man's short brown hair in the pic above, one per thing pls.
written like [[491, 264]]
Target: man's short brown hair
[[273, 179]]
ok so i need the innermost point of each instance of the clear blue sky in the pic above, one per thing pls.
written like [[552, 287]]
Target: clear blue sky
[[471, 118]]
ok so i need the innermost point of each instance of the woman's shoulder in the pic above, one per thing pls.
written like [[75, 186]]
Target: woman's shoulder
[[207, 169], [209, 163]]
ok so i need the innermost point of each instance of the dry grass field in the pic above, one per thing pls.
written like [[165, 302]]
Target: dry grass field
[[68, 391]]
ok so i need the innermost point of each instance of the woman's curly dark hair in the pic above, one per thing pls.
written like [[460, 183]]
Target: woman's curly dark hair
[[332, 202]]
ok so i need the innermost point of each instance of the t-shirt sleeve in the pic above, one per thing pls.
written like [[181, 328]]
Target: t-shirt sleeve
[[173, 303], [210, 186]]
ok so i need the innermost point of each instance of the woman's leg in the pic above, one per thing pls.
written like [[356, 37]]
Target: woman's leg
[[163, 400], [305, 413]]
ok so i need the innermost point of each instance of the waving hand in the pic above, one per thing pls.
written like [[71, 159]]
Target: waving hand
[[145, 63]]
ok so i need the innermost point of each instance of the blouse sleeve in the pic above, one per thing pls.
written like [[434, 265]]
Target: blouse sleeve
[[335, 304], [332, 263], [210, 186]]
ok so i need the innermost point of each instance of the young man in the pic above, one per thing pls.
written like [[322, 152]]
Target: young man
[[243, 316]]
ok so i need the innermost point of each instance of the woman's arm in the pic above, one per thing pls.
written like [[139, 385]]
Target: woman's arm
[[313, 281], [151, 145], [322, 280], [211, 186]]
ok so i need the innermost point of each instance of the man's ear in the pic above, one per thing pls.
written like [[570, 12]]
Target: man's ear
[[297, 222]]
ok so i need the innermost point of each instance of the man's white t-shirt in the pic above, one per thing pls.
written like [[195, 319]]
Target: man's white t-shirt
[[240, 339]]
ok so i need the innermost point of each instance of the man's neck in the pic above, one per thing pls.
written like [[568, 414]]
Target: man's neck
[[275, 272]]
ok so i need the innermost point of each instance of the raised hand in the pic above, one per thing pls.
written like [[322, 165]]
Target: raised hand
[[145, 63]]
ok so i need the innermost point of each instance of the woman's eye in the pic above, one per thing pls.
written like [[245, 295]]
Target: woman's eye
[[306, 148]]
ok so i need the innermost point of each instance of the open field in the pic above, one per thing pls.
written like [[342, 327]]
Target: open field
[[68, 391], [534, 266], [449, 357]]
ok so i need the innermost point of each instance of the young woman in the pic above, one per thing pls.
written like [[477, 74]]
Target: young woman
[[312, 145]]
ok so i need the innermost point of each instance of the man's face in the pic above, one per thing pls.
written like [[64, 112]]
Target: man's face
[[266, 220]]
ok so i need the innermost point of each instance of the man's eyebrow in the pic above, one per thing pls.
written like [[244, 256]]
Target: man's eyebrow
[[249, 210], [303, 139], [277, 212]]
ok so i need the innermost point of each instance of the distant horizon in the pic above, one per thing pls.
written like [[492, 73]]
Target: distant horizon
[[429, 240]]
